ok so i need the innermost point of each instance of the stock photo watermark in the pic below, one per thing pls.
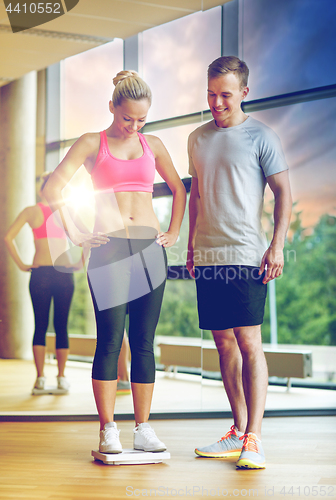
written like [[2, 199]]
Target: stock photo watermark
[[261, 492], [24, 15], [225, 254]]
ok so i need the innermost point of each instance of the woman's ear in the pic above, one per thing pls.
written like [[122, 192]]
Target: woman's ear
[[111, 107]]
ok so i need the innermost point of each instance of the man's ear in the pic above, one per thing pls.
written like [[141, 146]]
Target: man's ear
[[246, 90]]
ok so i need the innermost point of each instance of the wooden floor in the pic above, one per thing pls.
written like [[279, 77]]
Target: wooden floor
[[172, 393], [51, 461]]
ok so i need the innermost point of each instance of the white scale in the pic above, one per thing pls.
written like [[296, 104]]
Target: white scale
[[49, 390], [131, 457], [126, 457]]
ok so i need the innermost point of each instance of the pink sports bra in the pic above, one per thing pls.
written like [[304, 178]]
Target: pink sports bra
[[110, 172], [53, 231]]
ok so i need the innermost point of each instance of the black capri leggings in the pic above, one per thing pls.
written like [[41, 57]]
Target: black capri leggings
[[127, 276], [47, 283]]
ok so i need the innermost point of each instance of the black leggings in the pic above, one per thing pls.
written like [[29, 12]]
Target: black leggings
[[47, 283], [126, 276]]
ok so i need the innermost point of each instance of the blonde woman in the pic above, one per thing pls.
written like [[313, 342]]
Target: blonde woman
[[45, 284], [127, 266]]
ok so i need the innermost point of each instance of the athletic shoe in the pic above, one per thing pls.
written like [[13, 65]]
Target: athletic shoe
[[62, 383], [109, 439], [145, 439], [123, 387], [40, 383], [252, 455], [228, 446]]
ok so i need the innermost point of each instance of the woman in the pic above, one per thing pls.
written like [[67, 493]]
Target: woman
[[127, 267], [45, 283]]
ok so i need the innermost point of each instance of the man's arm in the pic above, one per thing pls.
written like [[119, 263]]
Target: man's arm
[[193, 212], [273, 259]]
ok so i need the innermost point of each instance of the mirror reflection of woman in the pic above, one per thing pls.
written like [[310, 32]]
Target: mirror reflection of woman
[[45, 284], [127, 249]]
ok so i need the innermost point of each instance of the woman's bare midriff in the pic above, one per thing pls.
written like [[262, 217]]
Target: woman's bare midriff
[[42, 255], [119, 211]]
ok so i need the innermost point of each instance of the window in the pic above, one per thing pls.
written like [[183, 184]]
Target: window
[[304, 293], [175, 140], [288, 45], [87, 89], [175, 58]]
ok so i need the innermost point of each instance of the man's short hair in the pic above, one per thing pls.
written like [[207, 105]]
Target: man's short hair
[[229, 64]]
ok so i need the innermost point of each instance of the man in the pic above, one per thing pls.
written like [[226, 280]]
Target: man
[[231, 159]]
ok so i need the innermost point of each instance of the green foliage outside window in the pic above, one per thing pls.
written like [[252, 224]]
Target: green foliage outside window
[[306, 292]]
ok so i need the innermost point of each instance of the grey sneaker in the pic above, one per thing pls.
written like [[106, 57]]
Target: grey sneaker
[[229, 445], [40, 383], [145, 439], [123, 387], [252, 455], [109, 439], [62, 383]]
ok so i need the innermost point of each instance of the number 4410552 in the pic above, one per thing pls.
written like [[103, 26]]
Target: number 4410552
[[35, 8], [307, 491]]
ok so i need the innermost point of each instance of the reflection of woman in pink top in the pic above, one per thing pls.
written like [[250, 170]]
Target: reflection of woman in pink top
[[45, 284], [127, 267]]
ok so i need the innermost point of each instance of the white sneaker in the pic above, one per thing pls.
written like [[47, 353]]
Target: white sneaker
[[109, 439], [40, 383], [145, 439], [62, 383]]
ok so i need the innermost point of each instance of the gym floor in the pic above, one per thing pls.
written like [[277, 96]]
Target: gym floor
[[52, 461]]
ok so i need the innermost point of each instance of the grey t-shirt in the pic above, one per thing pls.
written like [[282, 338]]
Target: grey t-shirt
[[232, 165]]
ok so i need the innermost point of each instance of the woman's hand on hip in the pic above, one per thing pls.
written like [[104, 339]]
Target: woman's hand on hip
[[26, 268], [89, 240], [166, 239]]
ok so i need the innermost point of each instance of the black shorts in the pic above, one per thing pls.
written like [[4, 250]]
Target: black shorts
[[229, 296]]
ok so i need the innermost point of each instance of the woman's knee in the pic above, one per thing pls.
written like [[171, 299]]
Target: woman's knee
[[62, 341], [40, 337], [143, 368]]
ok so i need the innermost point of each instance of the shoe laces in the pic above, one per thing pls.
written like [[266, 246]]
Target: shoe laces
[[231, 432], [250, 442], [148, 432], [112, 431]]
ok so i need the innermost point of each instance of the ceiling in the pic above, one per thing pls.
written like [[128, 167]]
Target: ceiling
[[87, 25]]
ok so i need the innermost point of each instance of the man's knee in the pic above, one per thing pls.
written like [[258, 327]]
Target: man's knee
[[249, 339], [225, 341]]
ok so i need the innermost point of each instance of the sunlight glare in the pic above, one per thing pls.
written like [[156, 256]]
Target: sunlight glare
[[80, 197]]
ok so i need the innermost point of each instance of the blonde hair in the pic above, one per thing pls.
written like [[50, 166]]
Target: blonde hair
[[129, 85], [229, 64], [44, 179]]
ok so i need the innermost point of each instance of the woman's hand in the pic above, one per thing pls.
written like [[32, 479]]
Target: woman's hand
[[167, 239], [89, 240], [25, 268]]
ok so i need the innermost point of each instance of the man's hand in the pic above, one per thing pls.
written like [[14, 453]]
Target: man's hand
[[273, 263], [190, 262]]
